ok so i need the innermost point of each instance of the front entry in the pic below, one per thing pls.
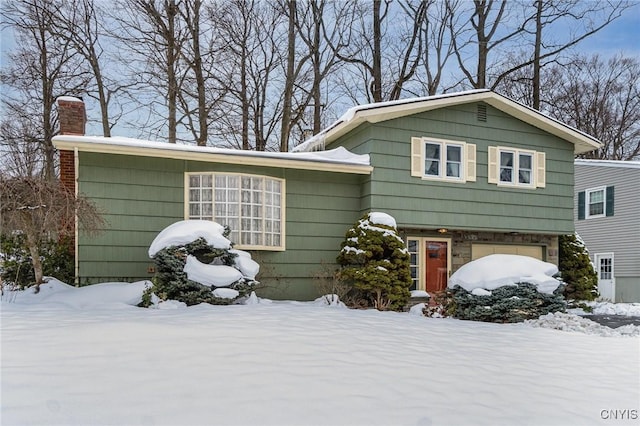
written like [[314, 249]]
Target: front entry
[[437, 266], [606, 282], [430, 263]]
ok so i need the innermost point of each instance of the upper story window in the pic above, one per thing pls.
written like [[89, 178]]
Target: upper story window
[[252, 206], [595, 199], [438, 159], [516, 167], [596, 202]]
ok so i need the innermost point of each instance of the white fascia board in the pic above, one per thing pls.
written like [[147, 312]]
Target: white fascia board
[[375, 113], [223, 156]]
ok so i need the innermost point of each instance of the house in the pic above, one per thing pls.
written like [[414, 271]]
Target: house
[[608, 220], [464, 174]]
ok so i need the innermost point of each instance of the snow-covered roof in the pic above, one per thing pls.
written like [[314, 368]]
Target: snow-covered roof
[[382, 111], [609, 163], [337, 160]]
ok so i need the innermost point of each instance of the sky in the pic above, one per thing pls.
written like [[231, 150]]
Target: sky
[[621, 36]]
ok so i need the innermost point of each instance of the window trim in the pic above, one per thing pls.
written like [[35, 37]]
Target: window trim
[[537, 170], [587, 204], [238, 244], [467, 160]]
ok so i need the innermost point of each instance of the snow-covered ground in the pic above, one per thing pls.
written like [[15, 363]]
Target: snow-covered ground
[[87, 357]]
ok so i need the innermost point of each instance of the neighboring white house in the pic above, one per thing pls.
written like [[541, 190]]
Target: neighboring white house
[[607, 218]]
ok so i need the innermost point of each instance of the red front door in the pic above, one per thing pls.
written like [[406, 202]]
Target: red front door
[[436, 266]]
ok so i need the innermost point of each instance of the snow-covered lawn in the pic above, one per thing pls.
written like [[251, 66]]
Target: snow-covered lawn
[[89, 359]]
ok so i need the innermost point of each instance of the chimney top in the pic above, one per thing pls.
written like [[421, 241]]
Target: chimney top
[[67, 99], [71, 115]]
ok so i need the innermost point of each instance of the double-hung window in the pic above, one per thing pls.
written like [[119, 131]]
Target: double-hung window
[[251, 206], [522, 168], [437, 159], [595, 199], [596, 202]]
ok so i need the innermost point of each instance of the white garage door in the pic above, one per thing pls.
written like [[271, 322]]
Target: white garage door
[[481, 250]]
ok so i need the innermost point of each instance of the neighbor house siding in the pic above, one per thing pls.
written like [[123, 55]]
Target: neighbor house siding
[[620, 233], [479, 206], [140, 196]]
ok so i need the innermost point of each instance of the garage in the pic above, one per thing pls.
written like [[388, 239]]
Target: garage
[[481, 250]]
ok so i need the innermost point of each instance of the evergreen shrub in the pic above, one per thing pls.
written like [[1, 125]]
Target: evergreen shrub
[[16, 267], [576, 269], [506, 304], [172, 283], [375, 261]]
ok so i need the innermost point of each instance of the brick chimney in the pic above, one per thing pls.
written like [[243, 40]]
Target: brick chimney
[[71, 115], [72, 118]]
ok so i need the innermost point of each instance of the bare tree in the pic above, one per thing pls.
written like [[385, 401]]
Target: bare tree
[[41, 68], [601, 98], [498, 28], [319, 25], [81, 22], [438, 48], [583, 18], [383, 61], [290, 77], [253, 34], [152, 32], [40, 208]]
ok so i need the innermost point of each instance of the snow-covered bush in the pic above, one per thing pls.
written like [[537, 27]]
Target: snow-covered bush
[[513, 303], [196, 263], [375, 261], [16, 264], [504, 288], [576, 269]]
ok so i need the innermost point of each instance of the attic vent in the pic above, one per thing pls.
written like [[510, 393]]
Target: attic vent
[[482, 112]]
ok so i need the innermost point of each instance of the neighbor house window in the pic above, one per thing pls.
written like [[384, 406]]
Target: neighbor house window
[[596, 202], [437, 159], [510, 166], [252, 206]]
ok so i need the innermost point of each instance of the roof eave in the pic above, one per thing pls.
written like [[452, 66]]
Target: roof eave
[[61, 142], [582, 142]]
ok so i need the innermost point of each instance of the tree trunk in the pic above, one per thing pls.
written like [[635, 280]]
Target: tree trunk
[[203, 129], [285, 127], [376, 84], [172, 80], [536, 57]]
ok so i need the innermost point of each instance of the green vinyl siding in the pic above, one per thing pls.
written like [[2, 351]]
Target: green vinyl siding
[[480, 206], [140, 196]]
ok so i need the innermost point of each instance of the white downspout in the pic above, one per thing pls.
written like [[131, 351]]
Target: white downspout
[[76, 172]]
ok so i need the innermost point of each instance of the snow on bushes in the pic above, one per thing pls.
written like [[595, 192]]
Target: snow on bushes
[[497, 270], [504, 288], [375, 261], [197, 264]]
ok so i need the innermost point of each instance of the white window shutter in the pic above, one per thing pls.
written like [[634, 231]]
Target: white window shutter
[[541, 179], [417, 157], [492, 175], [471, 162]]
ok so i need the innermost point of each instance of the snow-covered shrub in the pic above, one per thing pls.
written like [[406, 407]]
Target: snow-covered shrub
[[375, 261], [512, 303], [504, 288], [196, 263], [576, 269], [16, 265]]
